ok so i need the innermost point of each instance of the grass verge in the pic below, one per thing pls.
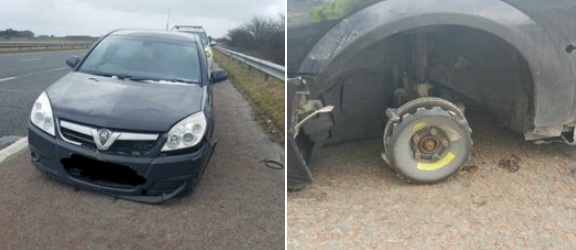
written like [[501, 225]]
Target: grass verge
[[265, 96]]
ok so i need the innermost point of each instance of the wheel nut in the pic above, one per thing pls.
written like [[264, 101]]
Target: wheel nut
[[433, 131], [417, 155], [416, 138], [445, 143]]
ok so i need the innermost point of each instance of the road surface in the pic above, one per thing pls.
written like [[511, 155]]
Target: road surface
[[22, 78], [511, 195]]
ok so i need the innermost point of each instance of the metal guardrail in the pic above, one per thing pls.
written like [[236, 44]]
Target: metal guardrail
[[268, 68], [43, 45]]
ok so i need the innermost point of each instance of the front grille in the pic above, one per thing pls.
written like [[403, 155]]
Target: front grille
[[131, 148], [128, 143], [85, 140]]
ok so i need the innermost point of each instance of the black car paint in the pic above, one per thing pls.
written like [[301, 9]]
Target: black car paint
[[123, 104], [128, 105], [541, 31], [47, 152]]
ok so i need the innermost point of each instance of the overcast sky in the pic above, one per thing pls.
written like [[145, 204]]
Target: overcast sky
[[97, 17]]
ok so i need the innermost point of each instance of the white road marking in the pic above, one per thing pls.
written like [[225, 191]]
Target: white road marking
[[13, 149], [7, 79], [43, 71], [61, 68], [31, 59]]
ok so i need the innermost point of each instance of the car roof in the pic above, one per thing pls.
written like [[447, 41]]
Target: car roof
[[170, 35]]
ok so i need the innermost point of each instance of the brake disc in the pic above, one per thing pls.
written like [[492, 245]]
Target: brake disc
[[426, 140]]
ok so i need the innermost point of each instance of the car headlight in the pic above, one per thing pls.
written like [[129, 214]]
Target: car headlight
[[186, 133], [41, 114]]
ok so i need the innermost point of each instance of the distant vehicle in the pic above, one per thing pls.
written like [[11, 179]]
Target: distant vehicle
[[133, 119], [199, 31], [404, 71]]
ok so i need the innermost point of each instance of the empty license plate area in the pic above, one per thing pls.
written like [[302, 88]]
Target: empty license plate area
[[102, 173]]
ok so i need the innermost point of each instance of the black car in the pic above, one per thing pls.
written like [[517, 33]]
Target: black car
[[133, 119]]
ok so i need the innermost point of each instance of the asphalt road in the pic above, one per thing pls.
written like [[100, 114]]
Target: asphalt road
[[239, 203], [22, 78]]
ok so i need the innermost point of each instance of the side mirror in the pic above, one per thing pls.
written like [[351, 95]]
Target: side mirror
[[72, 61], [218, 75], [213, 43]]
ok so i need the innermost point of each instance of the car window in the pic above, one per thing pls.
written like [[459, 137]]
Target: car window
[[140, 58]]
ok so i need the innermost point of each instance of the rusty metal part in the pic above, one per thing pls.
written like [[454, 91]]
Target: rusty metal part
[[429, 144]]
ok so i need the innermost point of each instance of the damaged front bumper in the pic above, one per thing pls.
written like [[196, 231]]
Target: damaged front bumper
[[311, 117], [142, 179]]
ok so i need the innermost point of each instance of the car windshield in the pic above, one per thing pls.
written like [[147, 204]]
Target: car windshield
[[142, 59]]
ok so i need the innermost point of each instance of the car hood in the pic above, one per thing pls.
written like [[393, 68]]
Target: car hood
[[104, 102]]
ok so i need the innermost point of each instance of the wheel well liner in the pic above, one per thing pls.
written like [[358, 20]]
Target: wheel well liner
[[387, 18]]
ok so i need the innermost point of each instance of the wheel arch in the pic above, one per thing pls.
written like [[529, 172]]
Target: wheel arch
[[384, 19]]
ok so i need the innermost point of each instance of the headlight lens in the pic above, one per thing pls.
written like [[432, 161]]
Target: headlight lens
[[186, 133], [41, 114]]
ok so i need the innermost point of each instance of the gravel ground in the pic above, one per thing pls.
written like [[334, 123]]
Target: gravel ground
[[512, 194], [239, 203]]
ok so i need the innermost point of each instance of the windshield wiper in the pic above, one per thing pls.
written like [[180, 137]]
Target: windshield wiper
[[180, 80], [121, 76], [125, 77], [117, 76], [144, 79], [104, 74]]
